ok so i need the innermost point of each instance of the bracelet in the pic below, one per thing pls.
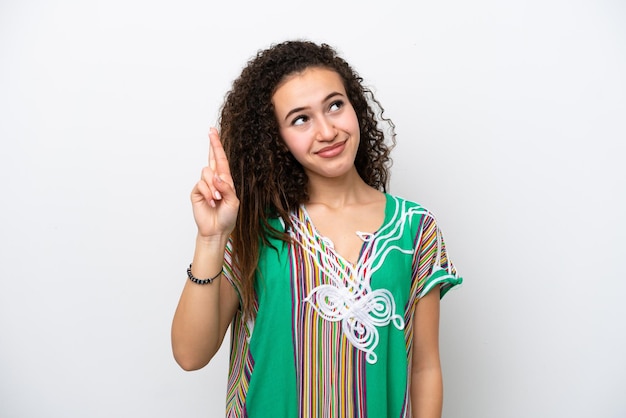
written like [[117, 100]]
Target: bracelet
[[202, 281]]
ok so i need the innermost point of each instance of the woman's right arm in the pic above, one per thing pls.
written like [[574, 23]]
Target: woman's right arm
[[204, 312]]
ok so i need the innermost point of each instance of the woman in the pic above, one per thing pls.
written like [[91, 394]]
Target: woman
[[331, 285]]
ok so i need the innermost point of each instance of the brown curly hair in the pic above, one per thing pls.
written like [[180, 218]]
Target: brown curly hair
[[268, 180]]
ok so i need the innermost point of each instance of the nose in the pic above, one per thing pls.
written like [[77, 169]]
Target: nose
[[326, 130]]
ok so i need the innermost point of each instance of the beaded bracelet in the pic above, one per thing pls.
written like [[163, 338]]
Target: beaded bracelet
[[202, 281]]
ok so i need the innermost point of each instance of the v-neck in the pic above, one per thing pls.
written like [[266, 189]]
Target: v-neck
[[366, 241]]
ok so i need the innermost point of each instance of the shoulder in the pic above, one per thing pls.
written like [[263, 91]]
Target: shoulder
[[406, 207], [402, 201], [421, 222]]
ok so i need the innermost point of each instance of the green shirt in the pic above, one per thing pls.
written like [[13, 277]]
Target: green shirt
[[332, 338]]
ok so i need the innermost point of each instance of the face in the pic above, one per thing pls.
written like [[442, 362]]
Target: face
[[317, 122]]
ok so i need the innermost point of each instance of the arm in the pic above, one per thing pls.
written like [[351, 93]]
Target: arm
[[205, 311], [426, 378]]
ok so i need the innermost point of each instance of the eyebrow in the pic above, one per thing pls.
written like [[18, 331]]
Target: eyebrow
[[300, 109]]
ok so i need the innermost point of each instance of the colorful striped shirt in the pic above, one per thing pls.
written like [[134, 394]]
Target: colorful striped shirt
[[332, 338]]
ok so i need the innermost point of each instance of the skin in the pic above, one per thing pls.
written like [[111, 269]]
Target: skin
[[320, 128]]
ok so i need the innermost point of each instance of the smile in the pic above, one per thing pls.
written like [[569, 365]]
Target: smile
[[332, 151]]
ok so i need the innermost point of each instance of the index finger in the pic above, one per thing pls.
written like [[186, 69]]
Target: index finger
[[211, 152], [217, 156]]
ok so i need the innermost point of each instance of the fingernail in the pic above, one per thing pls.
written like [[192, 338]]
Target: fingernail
[[217, 195], [212, 203]]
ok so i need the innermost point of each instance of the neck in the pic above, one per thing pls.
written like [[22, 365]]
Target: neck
[[339, 191]]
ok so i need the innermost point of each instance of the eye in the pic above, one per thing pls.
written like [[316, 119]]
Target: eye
[[335, 106], [299, 120]]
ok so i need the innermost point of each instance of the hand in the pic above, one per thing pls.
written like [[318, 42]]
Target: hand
[[213, 198]]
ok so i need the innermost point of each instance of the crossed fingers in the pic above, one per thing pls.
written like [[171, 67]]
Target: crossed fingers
[[216, 172]]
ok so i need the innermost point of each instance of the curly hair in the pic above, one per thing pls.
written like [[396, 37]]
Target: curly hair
[[269, 182]]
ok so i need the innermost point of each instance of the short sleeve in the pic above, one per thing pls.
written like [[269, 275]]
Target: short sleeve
[[432, 265]]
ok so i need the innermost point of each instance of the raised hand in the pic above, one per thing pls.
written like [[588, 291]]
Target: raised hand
[[213, 199]]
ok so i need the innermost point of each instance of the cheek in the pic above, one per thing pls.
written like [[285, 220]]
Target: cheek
[[351, 121], [355, 121], [295, 145]]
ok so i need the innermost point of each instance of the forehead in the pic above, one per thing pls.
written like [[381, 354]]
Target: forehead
[[308, 84]]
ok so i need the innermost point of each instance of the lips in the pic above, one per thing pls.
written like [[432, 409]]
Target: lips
[[332, 151]]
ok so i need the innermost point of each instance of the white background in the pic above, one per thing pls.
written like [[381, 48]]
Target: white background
[[511, 128]]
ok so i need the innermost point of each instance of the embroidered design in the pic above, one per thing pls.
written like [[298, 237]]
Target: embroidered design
[[348, 298]]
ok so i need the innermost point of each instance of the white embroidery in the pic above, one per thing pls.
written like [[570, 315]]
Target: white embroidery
[[365, 236], [359, 312], [349, 298]]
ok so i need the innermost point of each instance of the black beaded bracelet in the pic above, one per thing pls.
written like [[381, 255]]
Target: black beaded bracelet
[[202, 281]]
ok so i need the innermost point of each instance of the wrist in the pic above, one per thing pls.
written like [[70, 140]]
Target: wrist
[[196, 280], [211, 241], [208, 258]]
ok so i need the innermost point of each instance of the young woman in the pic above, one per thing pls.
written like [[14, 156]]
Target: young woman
[[330, 285]]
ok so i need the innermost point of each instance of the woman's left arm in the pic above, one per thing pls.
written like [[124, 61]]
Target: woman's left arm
[[426, 378]]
